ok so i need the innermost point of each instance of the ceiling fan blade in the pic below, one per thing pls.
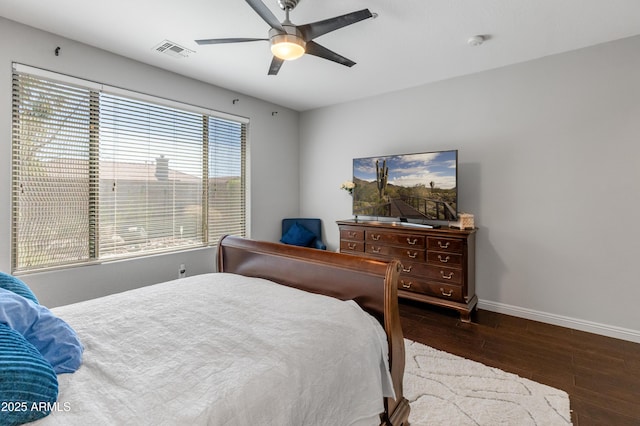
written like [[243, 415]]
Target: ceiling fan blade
[[315, 49], [316, 29], [266, 14], [276, 63], [228, 40]]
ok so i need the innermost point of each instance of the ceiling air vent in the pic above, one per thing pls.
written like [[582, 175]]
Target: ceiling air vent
[[172, 49]]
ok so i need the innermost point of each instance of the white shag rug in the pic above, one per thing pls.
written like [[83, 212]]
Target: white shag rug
[[445, 389]]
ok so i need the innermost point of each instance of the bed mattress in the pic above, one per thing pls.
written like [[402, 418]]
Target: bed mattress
[[223, 349]]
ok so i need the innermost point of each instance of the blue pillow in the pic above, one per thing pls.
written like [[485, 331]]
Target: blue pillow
[[11, 283], [298, 235], [28, 384], [54, 338]]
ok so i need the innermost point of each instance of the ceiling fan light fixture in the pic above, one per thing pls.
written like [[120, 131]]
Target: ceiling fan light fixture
[[289, 41], [287, 46]]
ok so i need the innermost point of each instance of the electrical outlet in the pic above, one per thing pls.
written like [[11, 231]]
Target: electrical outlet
[[182, 271]]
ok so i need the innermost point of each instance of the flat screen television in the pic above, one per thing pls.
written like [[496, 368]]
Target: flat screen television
[[421, 187]]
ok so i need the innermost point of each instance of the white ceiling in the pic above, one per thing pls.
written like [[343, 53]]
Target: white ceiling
[[412, 42]]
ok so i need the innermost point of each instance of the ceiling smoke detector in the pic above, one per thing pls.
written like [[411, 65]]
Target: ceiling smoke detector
[[476, 40]]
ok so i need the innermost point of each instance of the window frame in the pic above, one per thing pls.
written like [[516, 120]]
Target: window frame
[[93, 237]]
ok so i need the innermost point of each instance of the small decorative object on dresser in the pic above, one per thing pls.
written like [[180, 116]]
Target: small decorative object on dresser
[[438, 265], [465, 221]]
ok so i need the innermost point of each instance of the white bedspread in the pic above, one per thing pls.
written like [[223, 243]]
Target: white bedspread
[[221, 349]]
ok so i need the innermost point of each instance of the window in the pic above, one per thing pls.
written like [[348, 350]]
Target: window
[[100, 173]]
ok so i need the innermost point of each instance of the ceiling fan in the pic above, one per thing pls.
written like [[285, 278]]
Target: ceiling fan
[[289, 41]]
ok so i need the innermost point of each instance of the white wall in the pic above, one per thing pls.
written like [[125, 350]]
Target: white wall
[[549, 163], [273, 152]]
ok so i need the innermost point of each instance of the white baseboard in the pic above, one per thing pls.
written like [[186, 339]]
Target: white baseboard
[[568, 322]]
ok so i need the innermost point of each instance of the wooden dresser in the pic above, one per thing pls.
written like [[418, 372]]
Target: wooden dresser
[[438, 264]]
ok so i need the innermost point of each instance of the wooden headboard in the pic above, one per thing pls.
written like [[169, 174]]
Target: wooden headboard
[[370, 283]]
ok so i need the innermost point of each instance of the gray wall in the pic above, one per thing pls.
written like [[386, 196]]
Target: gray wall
[[549, 164], [273, 140]]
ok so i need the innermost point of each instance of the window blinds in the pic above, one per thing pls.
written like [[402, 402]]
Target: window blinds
[[98, 175], [151, 177], [226, 183], [51, 145]]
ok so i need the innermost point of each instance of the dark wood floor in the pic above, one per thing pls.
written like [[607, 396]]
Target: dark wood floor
[[600, 374]]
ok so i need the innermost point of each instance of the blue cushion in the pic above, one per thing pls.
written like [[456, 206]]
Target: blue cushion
[[28, 384], [11, 283], [54, 338], [298, 235]]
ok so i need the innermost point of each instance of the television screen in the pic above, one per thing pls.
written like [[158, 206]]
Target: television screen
[[420, 186]]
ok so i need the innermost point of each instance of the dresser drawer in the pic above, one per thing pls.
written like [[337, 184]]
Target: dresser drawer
[[432, 272], [452, 260], [444, 274], [446, 291], [352, 246], [445, 244], [399, 253], [409, 283], [352, 234], [440, 290], [410, 267], [400, 240]]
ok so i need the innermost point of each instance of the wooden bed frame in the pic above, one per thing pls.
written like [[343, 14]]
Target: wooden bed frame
[[371, 283]]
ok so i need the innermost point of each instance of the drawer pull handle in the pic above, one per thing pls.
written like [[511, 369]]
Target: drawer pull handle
[[407, 269], [412, 242], [375, 237], [351, 234], [412, 255], [375, 249], [446, 277], [445, 260], [443, 246], [446, 294], [352, 246], [406, 285]]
